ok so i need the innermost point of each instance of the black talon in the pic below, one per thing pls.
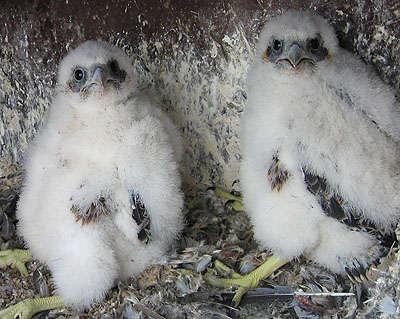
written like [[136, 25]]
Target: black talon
[[364, 277], [353, 274], [349, 274], [235, 193], [211, 188], [356, 272], [357, 265], [228, 203], [362, 269]]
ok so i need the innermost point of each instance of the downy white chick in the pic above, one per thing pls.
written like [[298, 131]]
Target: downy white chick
[[101, 198], [314, 107]]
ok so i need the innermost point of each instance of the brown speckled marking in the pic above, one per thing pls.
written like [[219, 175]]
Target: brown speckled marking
[[265, 56], [277, 175], [95, 211]]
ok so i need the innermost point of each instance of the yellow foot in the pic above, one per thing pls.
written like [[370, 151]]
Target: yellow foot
[[233, 200], [29, 307], [16, 258], [246, 282]]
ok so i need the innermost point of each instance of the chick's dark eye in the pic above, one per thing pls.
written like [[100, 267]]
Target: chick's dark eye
[[114, 67], [314, 44], [79, 74], [277, 45]]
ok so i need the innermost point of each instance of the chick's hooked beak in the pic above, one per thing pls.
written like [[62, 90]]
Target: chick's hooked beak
[[295, 54], [98, 79]]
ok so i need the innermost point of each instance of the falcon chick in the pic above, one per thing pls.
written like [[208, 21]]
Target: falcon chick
[[315, 108], [101, 198]]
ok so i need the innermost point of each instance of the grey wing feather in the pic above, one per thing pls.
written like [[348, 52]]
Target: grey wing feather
[[358, 85], [141, 217]]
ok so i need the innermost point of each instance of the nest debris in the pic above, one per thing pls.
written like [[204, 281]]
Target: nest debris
[[176, 288]]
